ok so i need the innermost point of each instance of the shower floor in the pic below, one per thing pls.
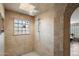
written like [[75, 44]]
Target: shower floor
[[33, 53]]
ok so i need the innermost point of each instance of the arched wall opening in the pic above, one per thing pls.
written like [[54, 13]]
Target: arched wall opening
[[70, 8]]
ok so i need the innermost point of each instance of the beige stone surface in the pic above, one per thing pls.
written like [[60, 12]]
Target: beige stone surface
[[44, 40], [58, 29], [17, 44]]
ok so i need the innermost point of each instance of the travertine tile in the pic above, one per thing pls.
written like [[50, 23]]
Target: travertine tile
[[20, 44]]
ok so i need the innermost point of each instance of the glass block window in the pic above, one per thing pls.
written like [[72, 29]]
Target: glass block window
[[21, 27]]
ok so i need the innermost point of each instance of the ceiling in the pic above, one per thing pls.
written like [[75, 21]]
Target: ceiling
[[75, 16], [40, 7]]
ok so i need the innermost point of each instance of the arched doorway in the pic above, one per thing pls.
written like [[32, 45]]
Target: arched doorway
[[67, 15]]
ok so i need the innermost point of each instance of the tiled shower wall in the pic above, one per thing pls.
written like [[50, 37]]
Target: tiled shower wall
[[17, 44], [44, 33]]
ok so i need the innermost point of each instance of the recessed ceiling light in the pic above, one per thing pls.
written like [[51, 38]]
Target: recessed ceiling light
[[26, 7]]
